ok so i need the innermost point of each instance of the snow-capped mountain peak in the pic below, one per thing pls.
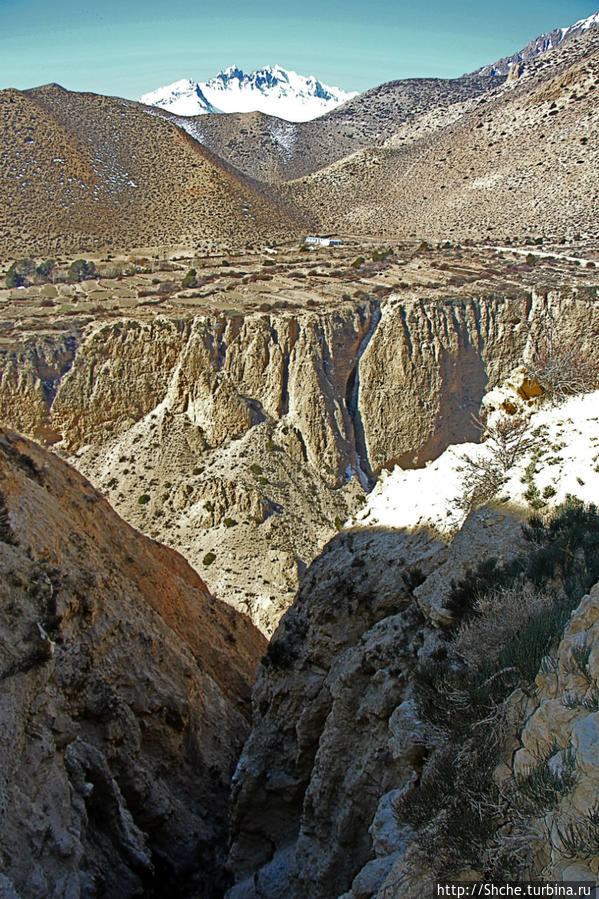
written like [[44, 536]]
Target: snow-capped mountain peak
[[582, 25], [272, 90], [541, 45]]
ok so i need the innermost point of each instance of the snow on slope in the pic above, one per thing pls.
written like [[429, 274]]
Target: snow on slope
[[541, 45], [568, 444], [271, 90], [582, 25]]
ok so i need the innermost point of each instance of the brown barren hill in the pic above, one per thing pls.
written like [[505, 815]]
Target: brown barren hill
[[273, 149], [522, 161], [124, 696], [82, 172]]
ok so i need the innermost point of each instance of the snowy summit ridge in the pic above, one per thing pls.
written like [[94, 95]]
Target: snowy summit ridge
[[271, 90]]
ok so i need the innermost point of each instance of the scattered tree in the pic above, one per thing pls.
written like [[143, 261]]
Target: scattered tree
[[19, 272], [45, 269], [81, 270]]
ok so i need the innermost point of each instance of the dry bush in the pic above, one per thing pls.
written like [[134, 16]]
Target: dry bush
[[562, 363], [500, 615], [505, 440]]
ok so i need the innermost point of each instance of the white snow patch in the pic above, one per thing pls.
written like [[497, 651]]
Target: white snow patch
[[568, 464]]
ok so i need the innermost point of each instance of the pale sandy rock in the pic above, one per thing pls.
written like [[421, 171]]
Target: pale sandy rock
[[517, 395], [410, 736], [585, 737], [579, 872], [387, 834], [552, 721], [560, 719], [317, 762], [319, 399]]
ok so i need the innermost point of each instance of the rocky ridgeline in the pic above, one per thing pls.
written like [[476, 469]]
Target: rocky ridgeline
[[245, 441], [124, 696]]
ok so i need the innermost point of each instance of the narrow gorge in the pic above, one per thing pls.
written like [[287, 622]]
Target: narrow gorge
[[245, 442], [250, 442]]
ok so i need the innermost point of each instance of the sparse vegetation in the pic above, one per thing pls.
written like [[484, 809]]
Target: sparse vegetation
[[508, 619], [505, 441], [190, 279], [542, 788], [580, 838], [562, 362]]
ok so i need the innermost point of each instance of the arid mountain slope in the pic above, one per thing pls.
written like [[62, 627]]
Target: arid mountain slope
[[521, 162], [124, 695], [85, 172], [272, 149]]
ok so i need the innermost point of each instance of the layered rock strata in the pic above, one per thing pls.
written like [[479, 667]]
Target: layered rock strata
[[247, 440]]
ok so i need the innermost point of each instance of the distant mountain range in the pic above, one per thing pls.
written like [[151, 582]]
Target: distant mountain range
[[271, 90], [506, 152]]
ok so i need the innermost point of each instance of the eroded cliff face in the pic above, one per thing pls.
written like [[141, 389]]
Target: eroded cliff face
[[334, 737], [429, 710], [124, 696], [244, 441], [429, 364]]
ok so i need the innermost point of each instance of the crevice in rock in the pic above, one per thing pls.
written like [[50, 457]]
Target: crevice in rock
[[352, 395], [285, 386]]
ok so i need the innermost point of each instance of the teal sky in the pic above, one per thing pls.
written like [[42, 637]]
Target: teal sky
[[127, 48]]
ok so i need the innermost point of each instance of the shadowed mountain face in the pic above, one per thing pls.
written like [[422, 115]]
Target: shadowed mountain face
[[84, 171], [124, 694]]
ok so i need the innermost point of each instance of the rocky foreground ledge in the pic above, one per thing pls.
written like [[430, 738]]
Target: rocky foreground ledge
[[124, 696]]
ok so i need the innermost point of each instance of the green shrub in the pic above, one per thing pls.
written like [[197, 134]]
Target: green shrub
[[542, 788], [19, 273], [80, 270], [509, 617], [190, 279], [580, 838], [229, 522], [208, 559], [143, 499], [45, 269]]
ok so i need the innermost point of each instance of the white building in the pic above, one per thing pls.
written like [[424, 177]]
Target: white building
[[323, 241]]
